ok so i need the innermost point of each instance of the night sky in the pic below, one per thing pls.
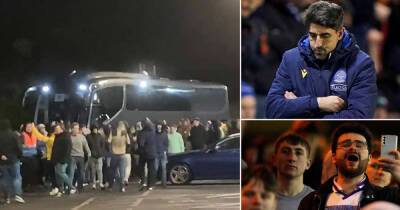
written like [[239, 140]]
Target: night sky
[[185, 39]]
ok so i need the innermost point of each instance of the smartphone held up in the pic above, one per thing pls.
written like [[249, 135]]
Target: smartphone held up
[[388, 143]]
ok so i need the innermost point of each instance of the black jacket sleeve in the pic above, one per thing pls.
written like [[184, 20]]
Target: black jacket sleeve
[[18, 140], [310, 202]]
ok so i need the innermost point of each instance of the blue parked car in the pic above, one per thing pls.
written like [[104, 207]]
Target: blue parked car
[[221, 161]]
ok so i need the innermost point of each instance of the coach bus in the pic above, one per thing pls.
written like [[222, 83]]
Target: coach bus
[[107, 97]]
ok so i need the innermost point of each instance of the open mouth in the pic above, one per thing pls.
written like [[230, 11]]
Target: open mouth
[[353, 157]]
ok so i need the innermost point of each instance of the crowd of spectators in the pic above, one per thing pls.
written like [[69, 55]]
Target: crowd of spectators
[[63, 158]]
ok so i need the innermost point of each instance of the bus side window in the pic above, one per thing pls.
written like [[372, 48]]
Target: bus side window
[[156, 98], [209, 99]]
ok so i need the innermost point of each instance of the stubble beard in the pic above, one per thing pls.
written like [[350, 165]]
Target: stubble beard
[[362, 167]]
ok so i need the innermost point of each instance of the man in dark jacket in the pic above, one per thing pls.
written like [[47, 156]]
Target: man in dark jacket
[[148, 153], [327, 75], [10, 150], [61, 156], [198, 135], [162, 149], [213, 132], [350, 188], [97, 145]]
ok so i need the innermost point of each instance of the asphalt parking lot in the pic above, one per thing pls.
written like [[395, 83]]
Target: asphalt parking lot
[[208, 196]]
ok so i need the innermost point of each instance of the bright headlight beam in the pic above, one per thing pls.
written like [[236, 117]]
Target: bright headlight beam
[[45, 89], [143, 84], [82, 87]]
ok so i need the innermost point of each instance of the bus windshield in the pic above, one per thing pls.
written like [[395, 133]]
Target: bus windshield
[[106, 103]]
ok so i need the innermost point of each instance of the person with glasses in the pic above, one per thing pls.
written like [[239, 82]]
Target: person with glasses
[[350, 188]]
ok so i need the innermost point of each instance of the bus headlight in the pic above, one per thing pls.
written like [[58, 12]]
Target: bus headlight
[[45, 89], [82, 87], [143, 84]]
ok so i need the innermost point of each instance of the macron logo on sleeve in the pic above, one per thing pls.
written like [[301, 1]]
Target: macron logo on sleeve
[[304, 73]]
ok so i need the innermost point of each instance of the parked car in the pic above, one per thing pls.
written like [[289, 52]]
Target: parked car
[[220, 161]]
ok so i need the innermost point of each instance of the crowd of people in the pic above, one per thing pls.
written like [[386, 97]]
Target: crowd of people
[[65, 157], [350, 174], [271, 27]]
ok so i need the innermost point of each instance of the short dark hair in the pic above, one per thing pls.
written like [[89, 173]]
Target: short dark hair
[[292, 139], [94, 126], [53, 128], [263, 174], [325, 14], [351, 128]]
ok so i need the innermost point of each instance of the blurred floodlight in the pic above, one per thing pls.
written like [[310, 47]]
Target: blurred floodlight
[[72, 73], [45, 89], [102, 82], [31, 89], [82, 87], [143, 84]]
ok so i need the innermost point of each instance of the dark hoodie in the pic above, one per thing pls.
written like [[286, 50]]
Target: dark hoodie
[[162, 141], [349, 73], [147, 141], [198, 137], [61, 148], [97, 145]]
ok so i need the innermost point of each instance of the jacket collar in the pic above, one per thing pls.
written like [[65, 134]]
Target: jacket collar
[[327, 188], [359, 187], [345, 50]]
